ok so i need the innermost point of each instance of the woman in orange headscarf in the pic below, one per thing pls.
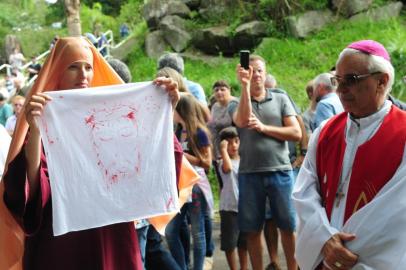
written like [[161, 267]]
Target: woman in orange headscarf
[[73, 63]]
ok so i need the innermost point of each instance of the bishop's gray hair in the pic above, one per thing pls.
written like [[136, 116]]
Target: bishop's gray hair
[[374, 64]]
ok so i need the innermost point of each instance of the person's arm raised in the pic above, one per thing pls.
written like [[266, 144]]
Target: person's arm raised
[[34, 107], [227, 165], [244, 110], [171, 87]]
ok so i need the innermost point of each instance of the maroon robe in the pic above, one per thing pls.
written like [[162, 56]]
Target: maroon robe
[[113, 247]]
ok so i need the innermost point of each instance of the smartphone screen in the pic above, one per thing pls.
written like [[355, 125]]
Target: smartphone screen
[[244, 58]]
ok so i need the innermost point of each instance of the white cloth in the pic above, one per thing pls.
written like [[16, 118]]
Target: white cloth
[[5, 140], [204, 185], [110, 155], [11, 123], [229, 192], [378, 226]]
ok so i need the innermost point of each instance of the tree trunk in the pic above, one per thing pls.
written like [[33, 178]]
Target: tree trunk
[[72, 8]]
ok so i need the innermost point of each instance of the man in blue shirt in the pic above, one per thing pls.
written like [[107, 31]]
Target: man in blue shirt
[[329, 103]]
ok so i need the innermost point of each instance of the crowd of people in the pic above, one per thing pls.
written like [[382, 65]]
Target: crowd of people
[[327, 181]]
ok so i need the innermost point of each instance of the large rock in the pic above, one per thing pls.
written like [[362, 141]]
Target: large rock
[[172, 21], [155, 44], [154, 10], [302, 25], [173, 28], [178, 8], [214, 40], [351, 7], [216, 8], [192, 4], [381, 13], [249, 35], [177, 38]]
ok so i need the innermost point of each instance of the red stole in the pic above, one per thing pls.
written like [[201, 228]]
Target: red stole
[[375, 162]]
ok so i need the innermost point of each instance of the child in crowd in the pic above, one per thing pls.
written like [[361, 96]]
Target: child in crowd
[[231, 238], [195, 139]]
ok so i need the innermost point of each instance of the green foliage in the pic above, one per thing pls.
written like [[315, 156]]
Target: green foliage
[[28, 24], [131, 13], [55, 13], [108, 7], [294, 62], [90, 17], [35, 43], [215, 188]]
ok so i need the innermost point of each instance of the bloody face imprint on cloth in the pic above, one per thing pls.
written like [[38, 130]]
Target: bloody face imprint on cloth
[[116, 126]]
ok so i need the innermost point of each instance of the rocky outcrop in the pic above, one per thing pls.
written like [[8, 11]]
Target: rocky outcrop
[[215, 40], [154, 10], [155, 44], [381, 13], [350, 7], [168, 22], [249, 35], [302, 25]]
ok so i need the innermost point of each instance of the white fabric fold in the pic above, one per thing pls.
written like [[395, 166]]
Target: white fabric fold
[[379, 226], [110, 155]]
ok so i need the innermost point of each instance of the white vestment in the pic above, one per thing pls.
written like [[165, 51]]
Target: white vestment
[[110, 155], [379, 226], [5, 140]]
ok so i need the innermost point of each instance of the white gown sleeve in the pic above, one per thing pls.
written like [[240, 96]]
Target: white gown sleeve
[[313, 225]]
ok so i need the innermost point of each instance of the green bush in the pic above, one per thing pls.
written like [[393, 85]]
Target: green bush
[[89, 17]]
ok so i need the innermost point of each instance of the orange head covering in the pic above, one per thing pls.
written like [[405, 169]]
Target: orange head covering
[[65, 52]]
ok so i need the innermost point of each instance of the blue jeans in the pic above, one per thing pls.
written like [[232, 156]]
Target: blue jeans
[[157, 257], [254, 189], [208, 227], [198, 210], [142, 241], [174, 238]]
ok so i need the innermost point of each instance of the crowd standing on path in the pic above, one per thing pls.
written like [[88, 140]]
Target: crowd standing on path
[[321, 195]]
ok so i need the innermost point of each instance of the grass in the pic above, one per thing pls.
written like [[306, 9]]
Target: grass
[[293, 62]]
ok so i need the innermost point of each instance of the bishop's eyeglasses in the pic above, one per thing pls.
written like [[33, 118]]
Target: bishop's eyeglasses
[[350, 79]]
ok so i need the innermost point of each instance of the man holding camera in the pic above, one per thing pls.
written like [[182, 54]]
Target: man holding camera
[[265, 121]]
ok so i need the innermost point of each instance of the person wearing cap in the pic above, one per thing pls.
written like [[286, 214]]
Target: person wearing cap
[[349, 194]]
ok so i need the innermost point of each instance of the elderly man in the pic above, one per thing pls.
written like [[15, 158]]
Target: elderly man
[[328, 102], [350, 192], [266, 121]]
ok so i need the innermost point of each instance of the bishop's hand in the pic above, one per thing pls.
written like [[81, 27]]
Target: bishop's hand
[[336, 255]]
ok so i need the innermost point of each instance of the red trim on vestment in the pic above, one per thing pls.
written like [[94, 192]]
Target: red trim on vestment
[[375, 162]]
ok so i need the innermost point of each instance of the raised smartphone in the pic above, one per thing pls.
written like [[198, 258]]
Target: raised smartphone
[[244, 58]]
